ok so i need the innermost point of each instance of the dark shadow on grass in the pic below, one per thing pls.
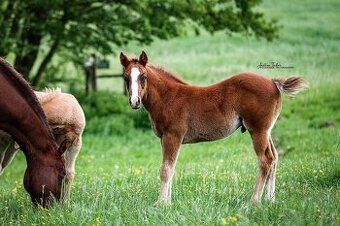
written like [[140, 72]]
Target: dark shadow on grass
[[330, 180]]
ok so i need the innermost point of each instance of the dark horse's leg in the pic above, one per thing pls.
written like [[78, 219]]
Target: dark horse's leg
[[170, 146], [267, 159], [7, 151], [3, 149], [9, 156]]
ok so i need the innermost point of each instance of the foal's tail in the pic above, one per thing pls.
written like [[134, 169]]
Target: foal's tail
[[290, 86]]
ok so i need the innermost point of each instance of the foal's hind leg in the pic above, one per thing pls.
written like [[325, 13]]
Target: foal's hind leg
[[170, 146], [271, 177], [265, 157]]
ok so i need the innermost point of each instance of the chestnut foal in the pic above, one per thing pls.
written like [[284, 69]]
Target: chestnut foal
[[181, 113]]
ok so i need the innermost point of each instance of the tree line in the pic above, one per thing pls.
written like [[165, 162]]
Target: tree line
[[35, 31]]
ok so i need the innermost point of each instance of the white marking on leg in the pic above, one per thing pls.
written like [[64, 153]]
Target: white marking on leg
[[134, 86], [169, 188], [271, 183], [260, 181], [271, 178], [167, 172]]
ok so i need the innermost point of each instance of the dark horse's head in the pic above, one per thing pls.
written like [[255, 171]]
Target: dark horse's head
[[135, 76], [44, 175]]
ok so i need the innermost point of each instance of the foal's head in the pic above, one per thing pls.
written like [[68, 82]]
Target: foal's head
[[135, 76], [44, 175]]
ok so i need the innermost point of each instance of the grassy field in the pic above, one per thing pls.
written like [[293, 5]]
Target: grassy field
[[117, 181]]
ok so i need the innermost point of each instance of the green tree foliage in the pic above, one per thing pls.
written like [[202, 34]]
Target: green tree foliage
[[77, 26]]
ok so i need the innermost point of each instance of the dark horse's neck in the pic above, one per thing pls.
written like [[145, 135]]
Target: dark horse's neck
[[159, 84], [21, 114]]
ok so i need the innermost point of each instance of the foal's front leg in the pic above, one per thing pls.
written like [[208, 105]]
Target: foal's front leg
[[170, 147]]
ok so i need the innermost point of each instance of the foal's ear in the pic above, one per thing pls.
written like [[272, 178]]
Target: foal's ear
[[62, 148], [124, 60], [143, 58]]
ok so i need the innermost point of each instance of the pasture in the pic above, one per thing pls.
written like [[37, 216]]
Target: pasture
[[117, 171]]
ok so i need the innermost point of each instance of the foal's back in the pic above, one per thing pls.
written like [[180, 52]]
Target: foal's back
[[248, 88], [216, 111], [237, 86]]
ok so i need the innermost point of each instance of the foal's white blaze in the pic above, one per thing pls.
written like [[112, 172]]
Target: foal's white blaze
[[134, 86]]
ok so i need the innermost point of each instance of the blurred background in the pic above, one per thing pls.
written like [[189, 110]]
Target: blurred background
[[203, 42]]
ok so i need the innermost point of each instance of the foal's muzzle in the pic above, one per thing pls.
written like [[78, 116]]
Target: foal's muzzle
[[135, 102]]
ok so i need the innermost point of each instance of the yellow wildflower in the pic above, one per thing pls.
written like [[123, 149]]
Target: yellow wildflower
[[233, 218]]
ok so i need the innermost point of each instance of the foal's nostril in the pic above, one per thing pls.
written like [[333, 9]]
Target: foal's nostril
[[135, 102]]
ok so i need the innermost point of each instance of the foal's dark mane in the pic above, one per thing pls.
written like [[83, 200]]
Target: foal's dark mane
[[168, 74], [25, 89]]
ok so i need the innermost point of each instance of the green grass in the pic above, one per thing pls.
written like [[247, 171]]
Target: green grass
[[117, 181]]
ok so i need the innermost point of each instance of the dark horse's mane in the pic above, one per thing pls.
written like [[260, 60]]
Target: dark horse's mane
[[25, 89], [168, 74]]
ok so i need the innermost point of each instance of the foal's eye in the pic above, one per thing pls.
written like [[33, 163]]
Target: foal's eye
[[142, 78]]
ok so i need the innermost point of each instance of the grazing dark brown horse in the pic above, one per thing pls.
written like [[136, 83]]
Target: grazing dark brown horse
[[67, 121], [181, 113], [22, 117]]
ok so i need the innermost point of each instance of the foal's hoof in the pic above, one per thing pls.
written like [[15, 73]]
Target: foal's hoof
[[255, 201], [270, 199], [162, 202]]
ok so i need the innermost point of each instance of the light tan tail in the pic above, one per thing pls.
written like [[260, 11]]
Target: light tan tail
[[290, 86]]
